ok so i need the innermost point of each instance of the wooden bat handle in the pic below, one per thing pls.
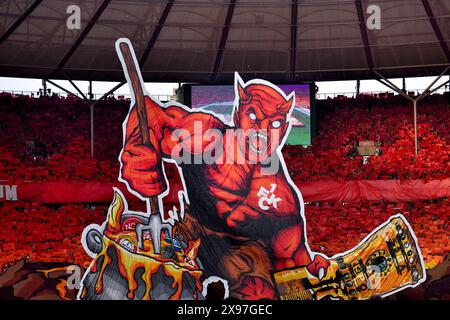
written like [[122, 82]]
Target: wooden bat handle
[[134, 75]]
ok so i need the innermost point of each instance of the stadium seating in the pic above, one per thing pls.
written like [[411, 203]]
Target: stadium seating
[[331, 228], [47, 139], [387, 122], [334, 228], [67, 146]]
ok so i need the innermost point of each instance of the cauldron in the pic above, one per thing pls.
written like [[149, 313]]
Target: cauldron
[[123, 269]]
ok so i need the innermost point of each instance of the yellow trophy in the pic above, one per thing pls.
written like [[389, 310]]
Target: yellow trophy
[[386, 261]]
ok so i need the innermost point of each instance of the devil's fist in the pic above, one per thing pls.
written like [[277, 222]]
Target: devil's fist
[[318, 267], [141, 164]]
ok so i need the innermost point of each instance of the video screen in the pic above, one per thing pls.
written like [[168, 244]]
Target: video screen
[[220, 98]]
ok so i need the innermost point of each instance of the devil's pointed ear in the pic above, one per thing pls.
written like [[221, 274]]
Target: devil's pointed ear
[[239, 85], [115, 211], [287, 106]]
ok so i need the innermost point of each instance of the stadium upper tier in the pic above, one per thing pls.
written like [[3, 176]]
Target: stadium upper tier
[[206, 41], [49, 139]]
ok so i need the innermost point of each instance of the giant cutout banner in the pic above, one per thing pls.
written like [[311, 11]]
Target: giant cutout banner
[[240, 218]]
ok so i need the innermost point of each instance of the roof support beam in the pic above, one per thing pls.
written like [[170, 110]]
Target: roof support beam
[[382, 79], [436, 29], [430, 92], [294, 15], [19, 21], [427, 91], [75, 86], [156, 33], [363, 29], [114, 89], [60, 87], [223, 39], [82, 36], [424, 94]]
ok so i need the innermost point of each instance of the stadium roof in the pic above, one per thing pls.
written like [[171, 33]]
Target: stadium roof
[[202, 41]]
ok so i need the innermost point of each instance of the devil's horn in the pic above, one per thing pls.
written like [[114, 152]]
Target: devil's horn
[[286, 106], [244, 97]]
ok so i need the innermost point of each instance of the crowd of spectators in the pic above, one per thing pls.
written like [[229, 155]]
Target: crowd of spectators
[[389, 124], [331, 228], [48, 139], [335, 228]]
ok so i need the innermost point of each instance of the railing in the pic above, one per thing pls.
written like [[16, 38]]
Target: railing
[[163, 97], [320, 95], [325, 95]]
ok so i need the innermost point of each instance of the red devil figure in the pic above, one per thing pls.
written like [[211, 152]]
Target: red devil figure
[[242, 202]]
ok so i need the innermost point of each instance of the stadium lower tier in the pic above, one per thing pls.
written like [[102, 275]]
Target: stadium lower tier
[[331, 228]]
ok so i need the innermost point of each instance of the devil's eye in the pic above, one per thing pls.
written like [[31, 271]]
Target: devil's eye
[[252, 116], [276, 124]]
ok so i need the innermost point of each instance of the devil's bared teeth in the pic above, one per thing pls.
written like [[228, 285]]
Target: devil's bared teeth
[[260, 136], [252, 148]]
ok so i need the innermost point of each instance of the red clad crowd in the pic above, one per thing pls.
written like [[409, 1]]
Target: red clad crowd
[[52, 233], [47, 139], [389, 124]]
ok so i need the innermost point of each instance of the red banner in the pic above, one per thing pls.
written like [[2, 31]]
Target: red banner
[[374, 190], [324, 191]]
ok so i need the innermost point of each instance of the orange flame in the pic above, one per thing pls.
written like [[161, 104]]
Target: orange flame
[[129, 263], [115, 212]]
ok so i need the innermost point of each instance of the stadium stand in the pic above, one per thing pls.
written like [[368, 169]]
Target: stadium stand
[[47, 139], [387, 122], [62, 150]]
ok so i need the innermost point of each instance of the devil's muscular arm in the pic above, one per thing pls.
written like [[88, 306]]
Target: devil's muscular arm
[[142, 164], [281, 227]]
